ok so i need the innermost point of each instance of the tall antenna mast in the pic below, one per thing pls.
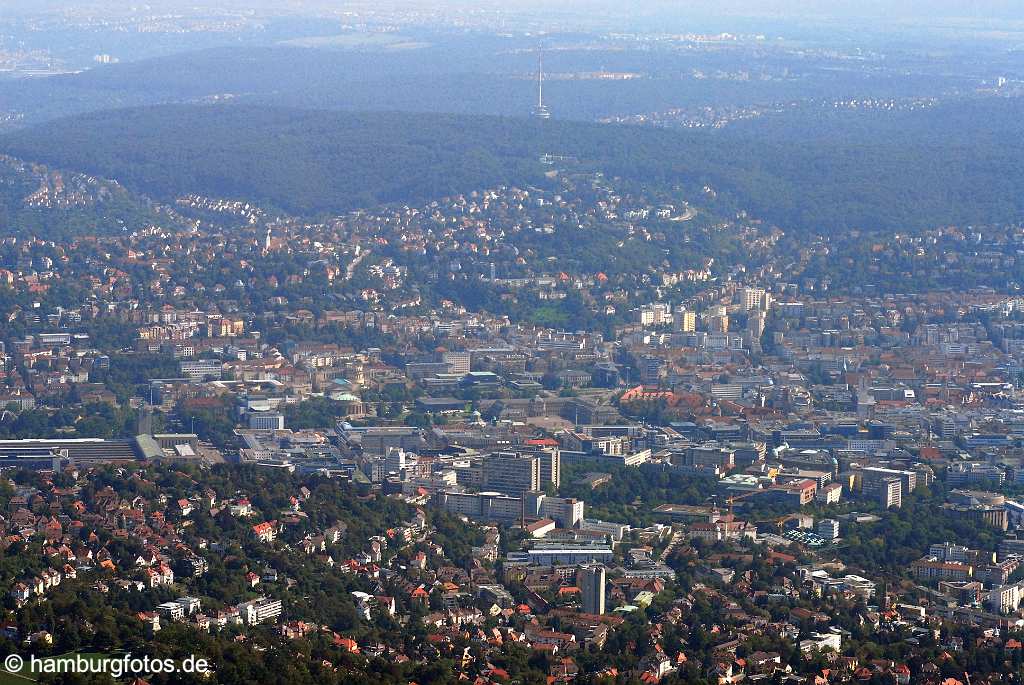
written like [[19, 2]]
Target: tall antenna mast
[[541, 111], [540, 81]]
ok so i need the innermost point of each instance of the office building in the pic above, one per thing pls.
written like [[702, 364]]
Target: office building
[[394, 460], [202, 369], [828, 529], [948, 551], [685, 321], [888, 492], [755, 325], [591, 580], [492, 506], [871, 476], [930, 568], [566, 512], [656, 314], [1004, 599], [260, 610], [266, 420], [965, 474], [859, 585], [718, 323], [377, 439], [550, 466], [567, 554], [710, 455], [511, 474], [755, 299], [457, 362]]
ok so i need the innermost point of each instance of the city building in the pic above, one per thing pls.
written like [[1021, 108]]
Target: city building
[[591, 581], [511, 474], [828, 529]]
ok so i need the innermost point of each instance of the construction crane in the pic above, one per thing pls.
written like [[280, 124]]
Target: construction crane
[[734, 498], [779, 522]]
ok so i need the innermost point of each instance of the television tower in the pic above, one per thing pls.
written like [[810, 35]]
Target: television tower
[[541, 111]]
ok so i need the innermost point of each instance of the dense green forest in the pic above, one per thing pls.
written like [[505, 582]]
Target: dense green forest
[[303, 162], [954, 164]]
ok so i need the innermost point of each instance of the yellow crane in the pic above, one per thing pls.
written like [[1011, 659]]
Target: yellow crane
[[734, 498]]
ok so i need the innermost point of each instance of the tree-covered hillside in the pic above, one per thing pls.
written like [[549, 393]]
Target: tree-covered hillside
[[36, 200], [955, 164], [300, 161]]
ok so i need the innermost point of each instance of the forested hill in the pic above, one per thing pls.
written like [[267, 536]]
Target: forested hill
[[301, 161], [956, 164]]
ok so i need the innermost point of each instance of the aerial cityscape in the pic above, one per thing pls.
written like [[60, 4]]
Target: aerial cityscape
[[424, 342]]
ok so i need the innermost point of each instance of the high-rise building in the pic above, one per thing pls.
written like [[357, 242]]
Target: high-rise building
[[756, 325], [756, 299], [871, 475], [718, 323], [828, 529], [550, 463], [888, 491], [566, 512], [394, 460], [550, 467], [1004, 599], [656, 314], [458, 362], [710, 455], [651, 368], [591, 580], [685, 321], [511, 474]]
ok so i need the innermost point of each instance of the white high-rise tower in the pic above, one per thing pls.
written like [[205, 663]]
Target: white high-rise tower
[[541, 111]]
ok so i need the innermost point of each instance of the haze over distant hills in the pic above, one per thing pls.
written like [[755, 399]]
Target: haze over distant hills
[[866, 129]]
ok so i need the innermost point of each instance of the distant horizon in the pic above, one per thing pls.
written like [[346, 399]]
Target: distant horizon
[[995, 10]]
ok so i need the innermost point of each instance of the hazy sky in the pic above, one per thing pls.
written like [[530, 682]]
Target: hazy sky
[[979, 9], [971, 8]]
